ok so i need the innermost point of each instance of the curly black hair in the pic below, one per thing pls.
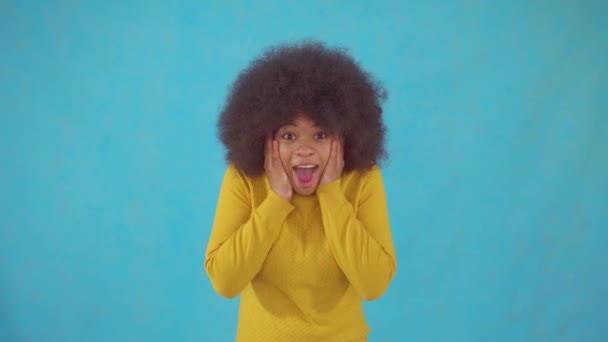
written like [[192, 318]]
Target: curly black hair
[[307, 77]]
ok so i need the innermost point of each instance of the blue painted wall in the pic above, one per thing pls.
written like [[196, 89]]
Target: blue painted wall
[[110, 166]]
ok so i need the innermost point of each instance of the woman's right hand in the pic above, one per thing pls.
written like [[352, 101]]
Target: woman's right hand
[[279, 182]]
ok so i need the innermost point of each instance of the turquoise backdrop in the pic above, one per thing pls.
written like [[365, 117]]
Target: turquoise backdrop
[[110, 165]]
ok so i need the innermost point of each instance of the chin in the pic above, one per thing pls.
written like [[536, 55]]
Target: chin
[[307, 190]]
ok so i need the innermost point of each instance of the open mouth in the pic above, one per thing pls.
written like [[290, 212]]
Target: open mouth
[[305, 174]]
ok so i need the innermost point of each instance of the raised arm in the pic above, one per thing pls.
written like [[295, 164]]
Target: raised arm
[[242, 235], [360, 241]]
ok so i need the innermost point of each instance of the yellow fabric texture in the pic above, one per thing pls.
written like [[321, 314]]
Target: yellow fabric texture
[[303, 267]]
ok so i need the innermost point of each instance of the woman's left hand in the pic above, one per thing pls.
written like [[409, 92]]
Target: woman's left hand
[[335, 162]]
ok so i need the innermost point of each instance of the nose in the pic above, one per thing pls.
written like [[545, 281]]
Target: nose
[[305, 150]]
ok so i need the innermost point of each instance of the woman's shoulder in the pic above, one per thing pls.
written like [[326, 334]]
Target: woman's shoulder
[[253, 183], [355, 180], [361, 175], [234, 172]]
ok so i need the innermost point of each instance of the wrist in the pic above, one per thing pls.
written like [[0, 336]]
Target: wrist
[[285, 195]]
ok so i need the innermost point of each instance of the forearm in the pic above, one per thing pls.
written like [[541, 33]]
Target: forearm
[[232, 263], [368, 263]]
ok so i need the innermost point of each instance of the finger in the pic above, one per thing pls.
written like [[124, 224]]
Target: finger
[[341, 149], [275, 152], [337, 151], [332, 154], [337, 159]]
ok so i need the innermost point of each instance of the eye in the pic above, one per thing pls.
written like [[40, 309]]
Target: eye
[[289, 136], [320, 135]]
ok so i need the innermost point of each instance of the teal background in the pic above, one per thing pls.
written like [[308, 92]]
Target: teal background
[[110, 165]]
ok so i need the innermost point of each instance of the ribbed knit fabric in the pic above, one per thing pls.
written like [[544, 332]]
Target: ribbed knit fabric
[[302, 267]]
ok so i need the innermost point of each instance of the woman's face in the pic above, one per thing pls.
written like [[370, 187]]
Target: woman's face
[[304, 151]]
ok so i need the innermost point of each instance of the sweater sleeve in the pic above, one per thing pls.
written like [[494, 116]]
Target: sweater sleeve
[[360, 241], [242, 235]]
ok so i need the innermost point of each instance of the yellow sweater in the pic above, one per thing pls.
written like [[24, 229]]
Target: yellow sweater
[[302, 267]]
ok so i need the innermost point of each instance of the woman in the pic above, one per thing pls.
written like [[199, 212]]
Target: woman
[[301, 230]]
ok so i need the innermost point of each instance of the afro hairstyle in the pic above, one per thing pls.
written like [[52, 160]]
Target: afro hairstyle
[[324, 83]]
